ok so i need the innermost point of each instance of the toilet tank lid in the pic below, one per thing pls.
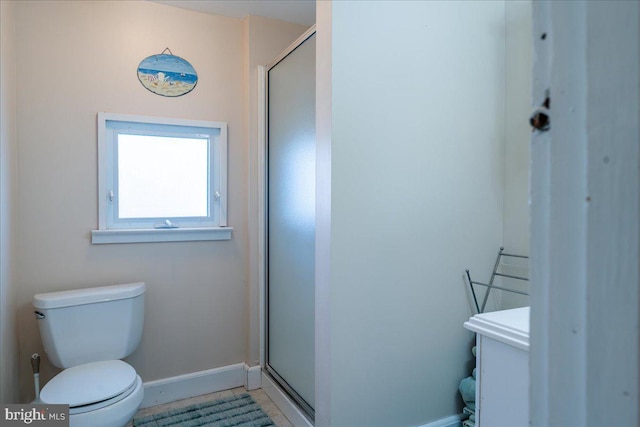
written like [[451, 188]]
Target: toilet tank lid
[[88, 296]]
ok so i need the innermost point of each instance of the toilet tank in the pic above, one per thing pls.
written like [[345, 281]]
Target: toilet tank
[[90, 325]]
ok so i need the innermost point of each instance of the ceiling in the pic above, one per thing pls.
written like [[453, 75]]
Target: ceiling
[[297, 11]]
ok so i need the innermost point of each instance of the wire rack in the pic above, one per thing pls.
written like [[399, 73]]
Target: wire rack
[[490, 285]]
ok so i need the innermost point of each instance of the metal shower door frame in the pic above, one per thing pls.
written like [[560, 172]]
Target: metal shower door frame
[[263, 75]]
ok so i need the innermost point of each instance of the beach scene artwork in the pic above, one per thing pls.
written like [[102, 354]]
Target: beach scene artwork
[[167, 75]]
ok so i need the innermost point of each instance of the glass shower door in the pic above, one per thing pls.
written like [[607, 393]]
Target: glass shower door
[[291, 223]]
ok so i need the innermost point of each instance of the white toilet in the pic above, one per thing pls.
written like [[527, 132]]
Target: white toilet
[[86, 332]]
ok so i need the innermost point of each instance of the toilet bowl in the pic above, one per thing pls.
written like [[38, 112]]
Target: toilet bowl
[[106, 393], [86, 332], [115, 414]]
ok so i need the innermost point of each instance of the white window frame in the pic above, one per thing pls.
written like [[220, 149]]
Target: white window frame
[[112, 229]]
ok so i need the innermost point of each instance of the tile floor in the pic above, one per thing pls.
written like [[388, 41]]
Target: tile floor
[[258, 395]]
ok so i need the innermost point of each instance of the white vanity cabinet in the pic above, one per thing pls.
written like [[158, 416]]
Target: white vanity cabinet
[[502, 362]]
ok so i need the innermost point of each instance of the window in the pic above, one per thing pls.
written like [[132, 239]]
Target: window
[[161, 180]]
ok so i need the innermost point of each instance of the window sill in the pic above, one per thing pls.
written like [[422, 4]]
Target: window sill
[[99, 237]]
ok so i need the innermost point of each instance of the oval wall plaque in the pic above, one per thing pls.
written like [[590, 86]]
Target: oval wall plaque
[[167, 75]]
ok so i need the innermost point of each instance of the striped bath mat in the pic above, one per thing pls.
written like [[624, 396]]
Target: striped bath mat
[[236, 411]]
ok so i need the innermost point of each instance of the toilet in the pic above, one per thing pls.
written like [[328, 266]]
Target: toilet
[[86, 332]]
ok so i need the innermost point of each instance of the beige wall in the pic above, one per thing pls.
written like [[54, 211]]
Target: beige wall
[[518, 107], [8, 332], [73, 60]]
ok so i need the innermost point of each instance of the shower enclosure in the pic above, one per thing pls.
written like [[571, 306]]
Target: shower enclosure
[[290, 222]]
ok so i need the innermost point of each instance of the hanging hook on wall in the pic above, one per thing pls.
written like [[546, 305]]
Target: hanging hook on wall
[[167, 49]]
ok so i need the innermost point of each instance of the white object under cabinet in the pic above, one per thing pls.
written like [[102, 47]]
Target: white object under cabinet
[[502, 362]]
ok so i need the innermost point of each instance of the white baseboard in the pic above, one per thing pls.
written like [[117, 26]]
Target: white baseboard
[[254, 377], [195, 384], [282, 401], [452, 421], [227, 377]]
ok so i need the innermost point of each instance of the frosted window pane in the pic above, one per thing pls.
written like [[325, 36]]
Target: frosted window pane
[[162, 177]]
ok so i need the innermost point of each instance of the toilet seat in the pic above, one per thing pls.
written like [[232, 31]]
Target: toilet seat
[[91, 386], [99, 405]]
